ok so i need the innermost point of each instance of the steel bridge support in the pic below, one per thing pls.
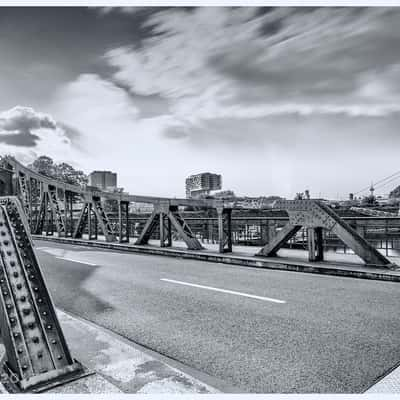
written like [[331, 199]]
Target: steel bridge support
[[92, 214], [37, 355], [224, 229], [123, 221], [50, 212], [165, 217], [316, 217]]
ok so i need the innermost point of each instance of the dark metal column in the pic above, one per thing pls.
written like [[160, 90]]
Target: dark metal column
[[224, 229]]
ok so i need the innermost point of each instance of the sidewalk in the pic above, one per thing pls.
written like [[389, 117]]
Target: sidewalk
[[118, 365]]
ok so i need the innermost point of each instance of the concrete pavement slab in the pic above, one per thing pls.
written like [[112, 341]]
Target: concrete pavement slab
[[123, 367]]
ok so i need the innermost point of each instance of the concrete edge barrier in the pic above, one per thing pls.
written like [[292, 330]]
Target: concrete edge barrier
[[250, 261]]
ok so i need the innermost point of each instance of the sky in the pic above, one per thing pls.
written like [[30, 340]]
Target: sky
[[276, 99]]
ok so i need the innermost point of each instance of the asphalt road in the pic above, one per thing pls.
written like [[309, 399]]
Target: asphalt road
[[302, 333]]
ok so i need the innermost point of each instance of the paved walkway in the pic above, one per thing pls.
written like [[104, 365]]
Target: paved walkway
[[119, 365]]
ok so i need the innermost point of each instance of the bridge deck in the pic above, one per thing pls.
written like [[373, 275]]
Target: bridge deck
[[303, 333]]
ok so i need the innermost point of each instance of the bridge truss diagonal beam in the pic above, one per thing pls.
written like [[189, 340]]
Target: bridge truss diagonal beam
[[316, 217], [164, 218]]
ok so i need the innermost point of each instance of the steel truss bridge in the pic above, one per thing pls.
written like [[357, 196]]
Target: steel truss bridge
[[52, 205], [37, 356]]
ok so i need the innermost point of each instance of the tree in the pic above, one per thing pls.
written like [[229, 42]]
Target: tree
[[64, 172], [369, 201], [43, 165], [68, 174], [395, 193]]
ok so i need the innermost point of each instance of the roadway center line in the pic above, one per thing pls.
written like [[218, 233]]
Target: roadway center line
[[76, 261], [252, 296]]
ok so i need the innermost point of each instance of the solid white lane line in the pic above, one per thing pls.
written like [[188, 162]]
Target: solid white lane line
[[252, 296], [76, 261]]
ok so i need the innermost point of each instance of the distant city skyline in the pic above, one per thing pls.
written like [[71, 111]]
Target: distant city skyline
[[276, 99]]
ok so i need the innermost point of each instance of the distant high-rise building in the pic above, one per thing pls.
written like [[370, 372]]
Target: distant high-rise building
[[104, 180], [201, 184]]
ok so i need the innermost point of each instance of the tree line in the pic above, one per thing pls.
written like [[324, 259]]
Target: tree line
[[64, 172]]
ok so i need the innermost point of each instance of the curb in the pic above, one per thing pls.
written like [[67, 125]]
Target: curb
[[253, 262]]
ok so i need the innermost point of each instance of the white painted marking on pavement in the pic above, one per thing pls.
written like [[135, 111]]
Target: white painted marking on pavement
[[252, 296], [76, 261]]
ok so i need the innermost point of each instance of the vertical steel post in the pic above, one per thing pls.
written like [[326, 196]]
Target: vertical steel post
[[120, 221]]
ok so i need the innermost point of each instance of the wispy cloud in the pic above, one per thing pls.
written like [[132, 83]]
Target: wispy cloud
[[243, 63]]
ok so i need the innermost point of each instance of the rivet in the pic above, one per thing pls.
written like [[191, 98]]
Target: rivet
[[8, 306], [54, 341], [20, 351], [24, 366], [35, 339], [59, 357], [16, 334], [15, 274], [12, 320], [12, 263], [5, 293], [40, 355], [31, 325], [6, 242], [40, 300], [19, 286], [22, 298], [48, 327], [44, 313], [26, 311]]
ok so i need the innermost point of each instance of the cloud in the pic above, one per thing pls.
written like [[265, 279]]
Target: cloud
[[17, 124], [245, 63], [37, 133]]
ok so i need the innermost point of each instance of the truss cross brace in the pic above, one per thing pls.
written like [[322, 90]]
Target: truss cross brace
[[316, 217], [92, 214], [165, 218]]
